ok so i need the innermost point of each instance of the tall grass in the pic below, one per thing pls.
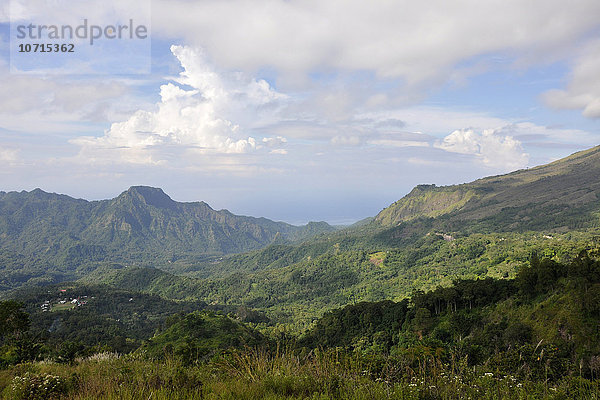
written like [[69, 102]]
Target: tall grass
[[283, 373]]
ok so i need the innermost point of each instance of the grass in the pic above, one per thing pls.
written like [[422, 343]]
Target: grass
[[64, 306], [282, 374]]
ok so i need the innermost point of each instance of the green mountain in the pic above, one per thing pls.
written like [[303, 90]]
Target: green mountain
[[44, 233], [432, 236], [562, 195], [487, 228], [451, 292]]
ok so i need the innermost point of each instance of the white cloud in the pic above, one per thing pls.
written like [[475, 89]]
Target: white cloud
[[531, 134], [343, 140], [22, 93], [272, 142], [418, 42], [278, 151], [60, 104], [583, 90], [437, 121], [491, 147], [398, 143], [8, 157], [213, 116]]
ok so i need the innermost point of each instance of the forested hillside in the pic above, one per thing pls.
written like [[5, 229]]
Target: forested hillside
[[451, 292], [294, 288], [48, 238], [535, 336]]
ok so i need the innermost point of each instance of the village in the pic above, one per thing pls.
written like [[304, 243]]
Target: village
[[64, 303]]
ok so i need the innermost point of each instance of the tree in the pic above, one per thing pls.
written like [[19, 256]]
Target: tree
[[527, 277], [13, 320]]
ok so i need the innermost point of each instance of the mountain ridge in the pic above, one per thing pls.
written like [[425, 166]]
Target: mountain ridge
[[142, 224], [561, 186], [59, 238]]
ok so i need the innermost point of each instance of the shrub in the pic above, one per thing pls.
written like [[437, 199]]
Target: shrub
[[37, 387]]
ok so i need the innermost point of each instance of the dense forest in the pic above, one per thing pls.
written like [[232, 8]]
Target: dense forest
[[295, 284], [534, 335]]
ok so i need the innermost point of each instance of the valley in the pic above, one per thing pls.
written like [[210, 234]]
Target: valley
[[494, 282]]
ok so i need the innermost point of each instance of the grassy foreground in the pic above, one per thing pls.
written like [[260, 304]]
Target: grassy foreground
[[263, 374]]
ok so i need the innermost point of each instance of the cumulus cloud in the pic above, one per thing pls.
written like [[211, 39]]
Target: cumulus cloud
[[583, 90], [278, 141], [204, 110], [491, 147]]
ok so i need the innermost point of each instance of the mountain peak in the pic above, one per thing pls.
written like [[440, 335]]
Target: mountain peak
[[150, 195]]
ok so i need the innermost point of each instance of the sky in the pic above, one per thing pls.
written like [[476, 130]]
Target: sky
[[297, 110]]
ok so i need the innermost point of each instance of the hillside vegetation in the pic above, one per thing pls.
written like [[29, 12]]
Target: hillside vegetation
[[489, 289], [46, 238], [534, 336], [294, 285], [561, 196]]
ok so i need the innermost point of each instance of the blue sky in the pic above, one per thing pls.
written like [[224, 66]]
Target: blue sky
[[302, 110]]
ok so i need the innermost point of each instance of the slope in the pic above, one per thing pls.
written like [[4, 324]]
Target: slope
[[55, 235], [559, 196], [487, 228]]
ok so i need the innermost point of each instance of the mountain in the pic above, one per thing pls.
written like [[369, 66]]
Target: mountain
[[433, 235], [484, 229], [141, 219], [46, 231], [491, 286], [560, 196]]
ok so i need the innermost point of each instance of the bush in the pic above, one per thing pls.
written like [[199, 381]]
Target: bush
[[37, 387]]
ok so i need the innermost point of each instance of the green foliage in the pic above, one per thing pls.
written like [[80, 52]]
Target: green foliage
[[542, 331], [196, 336], [343, 326], [471, 339], [13, 320], [48, 238], [295, 284]]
